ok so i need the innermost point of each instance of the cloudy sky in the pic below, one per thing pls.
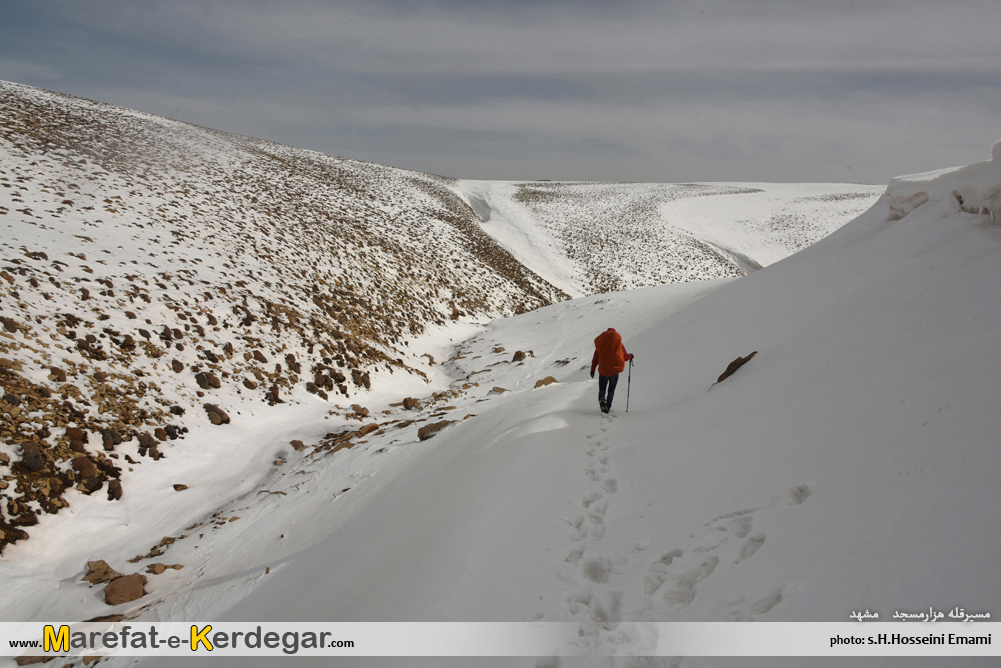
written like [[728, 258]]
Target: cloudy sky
[[612, 90]]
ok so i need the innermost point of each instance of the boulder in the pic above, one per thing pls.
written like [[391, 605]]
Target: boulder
[[99, 571], [84, 467], [548, 380], [430, 430], [124, 589], [367, 429], [32, 459], [216, 415]]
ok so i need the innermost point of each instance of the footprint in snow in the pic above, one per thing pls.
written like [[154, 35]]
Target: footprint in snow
[[749, 548], [577, 530], [800, 493], [596, 569], [657, 573], [743, 611], [596, 512], [681, 591]]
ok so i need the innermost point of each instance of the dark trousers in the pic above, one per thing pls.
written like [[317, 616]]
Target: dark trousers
[[608, 382]]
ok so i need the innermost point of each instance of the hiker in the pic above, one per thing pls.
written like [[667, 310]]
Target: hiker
[[610, 358]]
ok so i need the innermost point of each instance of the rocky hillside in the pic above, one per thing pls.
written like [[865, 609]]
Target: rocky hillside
[[153, 273], [631, 235]]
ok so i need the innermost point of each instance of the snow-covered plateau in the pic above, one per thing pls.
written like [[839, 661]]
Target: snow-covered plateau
[[851, 464]]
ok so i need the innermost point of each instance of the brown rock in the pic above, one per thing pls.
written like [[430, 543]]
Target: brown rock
[[367, 429], [216, 415], [31, 457], [430, 430], [548, 380], [106, 618], [410, 403], [499, 390], [259, 356], [84, 467], [297, 445], [180, 488], [734, 365], [114, 490], [361, 379], [99, 571], [111, 435], [76, 434], [359, 410], [208, 381], [156, 569], [249, 384], [518, 356], [124, 589]]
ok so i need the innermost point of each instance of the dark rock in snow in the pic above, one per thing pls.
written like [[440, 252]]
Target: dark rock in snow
[[430, 430], [216, 415], [99, 571], [734, 365], [124, 589]]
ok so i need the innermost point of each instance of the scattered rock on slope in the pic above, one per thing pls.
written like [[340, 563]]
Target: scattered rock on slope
[[124, 589], [430, 430], [99, 571], [216, 415], [734, 365]]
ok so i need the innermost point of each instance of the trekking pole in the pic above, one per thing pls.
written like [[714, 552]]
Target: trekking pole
[[629, 382]]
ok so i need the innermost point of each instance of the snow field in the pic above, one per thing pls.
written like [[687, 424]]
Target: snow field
[[851, 464]]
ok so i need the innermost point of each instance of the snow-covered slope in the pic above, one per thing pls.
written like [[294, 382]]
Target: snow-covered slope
[[851, 464], [622, 236], [157, 276], [975, 188]]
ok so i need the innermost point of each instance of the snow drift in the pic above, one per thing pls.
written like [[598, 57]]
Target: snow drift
[[974, 188]]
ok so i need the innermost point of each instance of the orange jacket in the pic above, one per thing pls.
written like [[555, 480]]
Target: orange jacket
[[610, 355]]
